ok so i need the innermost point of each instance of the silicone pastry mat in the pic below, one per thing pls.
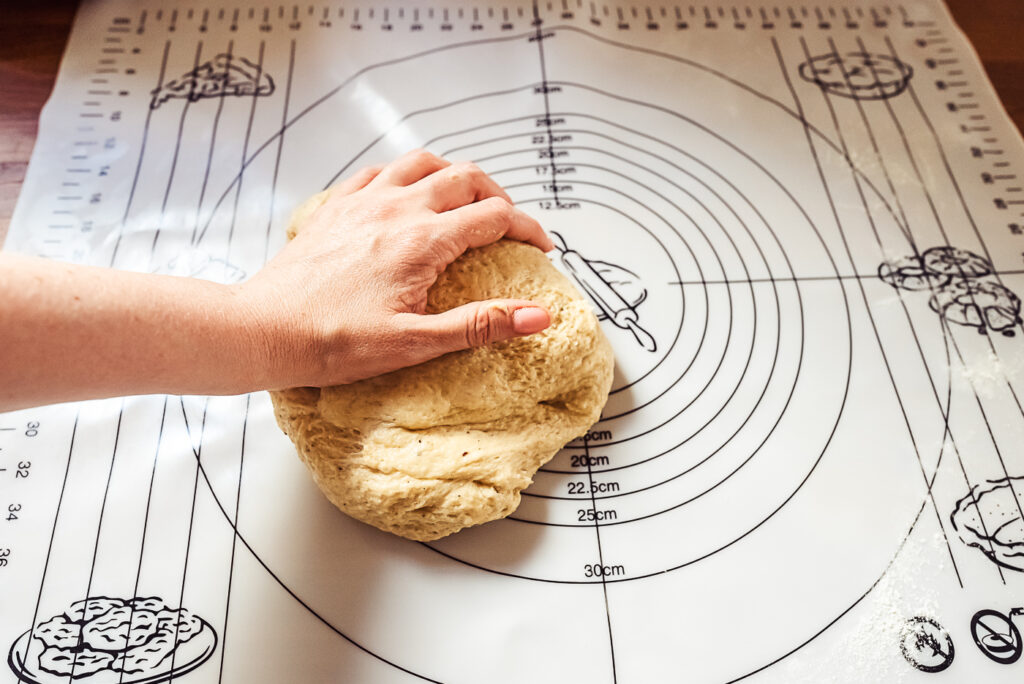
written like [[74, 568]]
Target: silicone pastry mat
[[802, 228]]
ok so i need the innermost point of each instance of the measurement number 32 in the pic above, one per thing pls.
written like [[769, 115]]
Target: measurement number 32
[[31, 430]]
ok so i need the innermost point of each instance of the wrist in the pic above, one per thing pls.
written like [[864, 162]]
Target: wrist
[[273, 347]]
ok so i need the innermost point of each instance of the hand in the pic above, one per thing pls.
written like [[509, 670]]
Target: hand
[[345, 299]]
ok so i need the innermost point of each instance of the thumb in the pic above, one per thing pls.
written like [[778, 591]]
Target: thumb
[[479, 323]]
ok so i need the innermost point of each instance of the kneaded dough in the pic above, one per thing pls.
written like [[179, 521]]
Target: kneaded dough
[[428, 450]]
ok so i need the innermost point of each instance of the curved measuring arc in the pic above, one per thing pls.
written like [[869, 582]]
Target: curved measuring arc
[[789, 195], [846, 388], [708, 241], [312, 611], [753, 453], [710, 244], [672, 228], [692, 401], [696, 225], [741, 221], [835, 270], [334, 91], [732, 394], [684, 171], [677, 283], [608, 580], [682, 290], [667, 224], [361, 72]]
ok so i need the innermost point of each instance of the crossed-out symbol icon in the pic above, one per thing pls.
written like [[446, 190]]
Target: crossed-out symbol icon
[[997, 636]]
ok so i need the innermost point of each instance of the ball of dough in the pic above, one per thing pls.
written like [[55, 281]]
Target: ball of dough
[[428, 450]]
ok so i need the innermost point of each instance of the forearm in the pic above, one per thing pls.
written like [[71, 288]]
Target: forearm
[[72, 332], [347, 299]]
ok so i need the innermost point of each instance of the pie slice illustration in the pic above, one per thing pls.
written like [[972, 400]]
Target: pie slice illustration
[[221, 76]]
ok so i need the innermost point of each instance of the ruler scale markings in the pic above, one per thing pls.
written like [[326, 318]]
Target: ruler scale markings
[[996, 158], [942, 229], [948, 168]]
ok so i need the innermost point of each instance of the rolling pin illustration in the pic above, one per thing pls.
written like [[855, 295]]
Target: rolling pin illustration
[[604, 295]]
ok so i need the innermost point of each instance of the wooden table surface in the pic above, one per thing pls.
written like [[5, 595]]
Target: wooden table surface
[[32, 37]]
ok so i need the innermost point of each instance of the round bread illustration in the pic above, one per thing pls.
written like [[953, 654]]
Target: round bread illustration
[[989, 519], [858, 75], [431, 449], [952, 261], [105, 640]]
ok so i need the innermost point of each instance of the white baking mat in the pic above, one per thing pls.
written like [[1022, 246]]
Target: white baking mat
[[803, 226]]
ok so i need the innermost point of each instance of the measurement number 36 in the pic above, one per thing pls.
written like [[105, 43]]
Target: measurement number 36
[[4, 553]]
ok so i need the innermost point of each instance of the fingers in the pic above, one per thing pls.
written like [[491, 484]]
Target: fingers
[[410, 168], [443, 185], [487, 221], [357, 181], [476, 324], [458, 185]]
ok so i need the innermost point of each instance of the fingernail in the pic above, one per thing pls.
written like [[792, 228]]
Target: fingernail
[[529, 320]]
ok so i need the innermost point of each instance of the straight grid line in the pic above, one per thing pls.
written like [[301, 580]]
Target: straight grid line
[[245, 151], [99, 529], [800, 279], [192, 517], [280, 147], [984, 246], [174, 157], [839, 226], [539, 37], [600, 557], [916, 517], [874, 325], [145, 526], [213, 143], [234, 538]]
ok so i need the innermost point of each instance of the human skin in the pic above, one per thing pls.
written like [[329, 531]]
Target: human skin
[[343, 301]]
